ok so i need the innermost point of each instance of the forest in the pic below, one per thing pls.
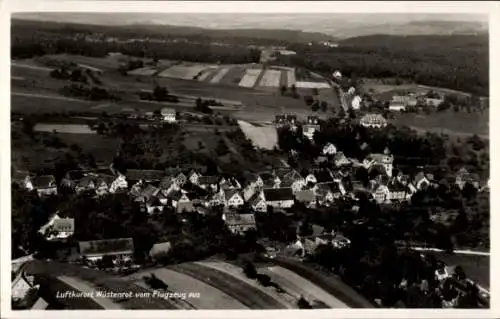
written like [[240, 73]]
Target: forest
[[458, 62]]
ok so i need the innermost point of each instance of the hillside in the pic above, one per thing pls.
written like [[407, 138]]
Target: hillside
[[167, 31]]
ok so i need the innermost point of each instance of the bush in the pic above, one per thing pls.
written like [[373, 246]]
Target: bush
[[250, 271], [264, 280]]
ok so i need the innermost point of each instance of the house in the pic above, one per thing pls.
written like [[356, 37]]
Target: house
[[72, 178], [421, 181], [308, 130], [185, 207], [217, 199], [23, 179], [58, 228], [381, 160], [289, 178], [160, 250], [239, 223], [154, 204], [286, 120], [337, 74], [269, 180], [177, 197], [233, 198], [167, 185], [463, 177], [230, 183], [380, 193], [279, 197], [258, 203], [356, 102], [45, 185], [373, 121], [86, 183], [193, 177], [326, 193], [177, 175], [103, 184], [168, 115], [311, 179], [340, 159], [313, 120], [329, 149], [351, 90], [307, 197], [147, 193], [119, 249], [397, 192], [433, 101], [209, 182], [120, 183]]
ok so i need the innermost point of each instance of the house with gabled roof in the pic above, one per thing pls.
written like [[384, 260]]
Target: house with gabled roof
[[147, 193], [239, 223], [58, 228], [168, 115], [119, 184], [311, 178], [421, 181], [232, 197], [398, 192], [380, 193], [269, 180], [231, 183], [329, 149], [153, 204], [340, 159], [72, 178], [177, 174], [103, 184], [45, 185], [86, 183], [380, 160], [279, 197], [258, 203], [193, 176]]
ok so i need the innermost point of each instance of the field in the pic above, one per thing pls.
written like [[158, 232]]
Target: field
[[449, 122], [210, 297], [146, 71], [250, 78], [312, 85], [183, 72], [298, 286], [237, 272], [264, 137], [219, 75], [63, 128], [271, 78], [246, 294]]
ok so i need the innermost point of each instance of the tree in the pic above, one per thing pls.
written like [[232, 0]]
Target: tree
[[293, 89], [249, 270], [283, 89], [302, 303], [323, 106], [459, 273], [221, 148], [315, 106], [315, 91]]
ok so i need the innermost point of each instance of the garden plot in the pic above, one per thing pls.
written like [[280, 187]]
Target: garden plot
[[146, 71], [220, 74], [262, 136], [248, 295], [299, 286], [312, 85], [210, 297], [183, 72], [271, 78], [250, 77], [238, 274]]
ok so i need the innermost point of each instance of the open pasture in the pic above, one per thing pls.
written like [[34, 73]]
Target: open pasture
[[271, 78], [250, 78]]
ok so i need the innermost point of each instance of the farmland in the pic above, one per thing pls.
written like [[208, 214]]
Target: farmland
[[264, 137], [210, 297]]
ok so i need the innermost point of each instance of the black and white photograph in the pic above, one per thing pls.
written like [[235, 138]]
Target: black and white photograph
[[249, 161]]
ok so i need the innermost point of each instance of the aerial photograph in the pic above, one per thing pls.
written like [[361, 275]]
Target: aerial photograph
[[165, 161]]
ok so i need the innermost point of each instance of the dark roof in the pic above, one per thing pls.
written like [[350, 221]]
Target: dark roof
[[75, 175], [148, 192], [144, 175], [44, 181], [108, 179], [397, 187], [305, 196], [86, 180], [175, 195], [174, 171], [208, 180], [278, 194], [228, 193], [107, 246]]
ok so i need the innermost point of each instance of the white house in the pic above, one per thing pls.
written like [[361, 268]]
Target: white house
[[311, 178], [45, 185], [239, 223], [421, 181], [233, 198], [329, 149], [337, 74], [351, 90], [385, 160], [373, 120], [258, 203], [356, 102], [120, 183], [380, 193], [193, 177], [58, 228], [168, 115]]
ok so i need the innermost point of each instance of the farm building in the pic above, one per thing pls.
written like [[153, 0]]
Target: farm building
[[239, 223], [329, 149], [373, 120], [168, 115], [120, 248], [45, 185], [279, 197]]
